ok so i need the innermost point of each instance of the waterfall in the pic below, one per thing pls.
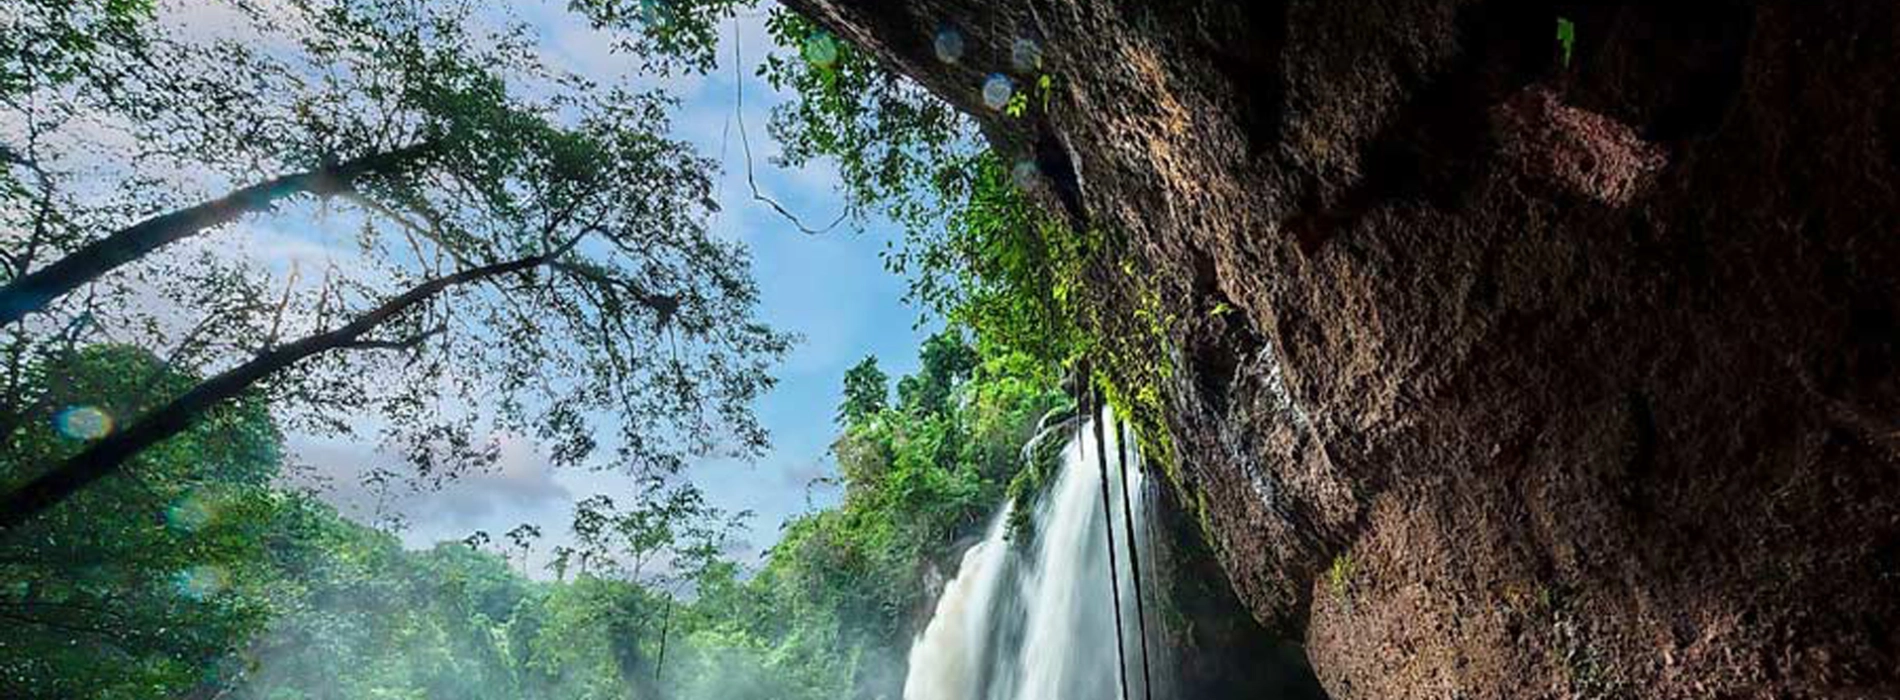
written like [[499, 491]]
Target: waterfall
[[1036, 622]]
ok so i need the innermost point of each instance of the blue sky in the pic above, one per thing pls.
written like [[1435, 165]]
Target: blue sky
[[831, 289]]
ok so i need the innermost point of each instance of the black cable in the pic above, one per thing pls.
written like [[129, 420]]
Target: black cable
[[1108, 528], [1134, 558]]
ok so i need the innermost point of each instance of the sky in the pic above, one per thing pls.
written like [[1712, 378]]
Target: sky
[[830, 289]]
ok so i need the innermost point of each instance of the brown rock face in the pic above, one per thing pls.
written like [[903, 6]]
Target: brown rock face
[[1543, 381]]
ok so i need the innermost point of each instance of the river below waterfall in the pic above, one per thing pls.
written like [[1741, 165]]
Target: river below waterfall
[[1036, 620]]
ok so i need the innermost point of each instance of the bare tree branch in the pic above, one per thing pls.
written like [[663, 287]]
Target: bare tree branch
[[663, 305]]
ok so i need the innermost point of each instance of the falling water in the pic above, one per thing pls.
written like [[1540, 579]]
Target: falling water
[[1037, 621]]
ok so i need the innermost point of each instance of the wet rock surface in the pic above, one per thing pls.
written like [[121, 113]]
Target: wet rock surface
[[1541, 380]]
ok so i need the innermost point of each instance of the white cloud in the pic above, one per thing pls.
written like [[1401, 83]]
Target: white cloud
[[522, 487], [523, 481]]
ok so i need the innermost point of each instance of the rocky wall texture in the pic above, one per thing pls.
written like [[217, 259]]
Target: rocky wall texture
[[1544, 378]]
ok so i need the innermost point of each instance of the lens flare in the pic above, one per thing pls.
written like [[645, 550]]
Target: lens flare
[[949, 45], [1024, 173], [190, 512], [201, 582], [1025, 55], [83, 423], [997, 90], [821, 50]]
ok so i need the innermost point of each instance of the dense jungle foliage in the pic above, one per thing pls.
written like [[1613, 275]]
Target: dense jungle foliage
[[199, 578]]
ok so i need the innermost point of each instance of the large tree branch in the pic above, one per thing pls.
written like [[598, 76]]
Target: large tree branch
[[664, 306], [33, 291], [108, 455], [406, 343]]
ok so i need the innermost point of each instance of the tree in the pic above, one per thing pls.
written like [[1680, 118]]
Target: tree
[[52, 42], [163, 573], [900, 150], [529, 246], [669, 31], [618, 615], [867, 390], [979, 248], [947, 360], [523, 537]]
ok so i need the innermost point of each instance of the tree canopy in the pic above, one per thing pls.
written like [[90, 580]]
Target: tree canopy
[[867, 390], [518, 239]]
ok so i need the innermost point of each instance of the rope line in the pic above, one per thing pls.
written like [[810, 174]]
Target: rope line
[[1108, 528], [1134, 557], [738, 114]]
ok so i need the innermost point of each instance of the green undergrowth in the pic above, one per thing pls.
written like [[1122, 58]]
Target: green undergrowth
[[1339, 577]]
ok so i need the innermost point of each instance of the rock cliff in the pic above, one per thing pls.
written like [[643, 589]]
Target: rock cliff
[[1551, 371]]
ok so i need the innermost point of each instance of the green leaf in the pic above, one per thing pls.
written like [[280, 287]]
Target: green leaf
[[1567, 36]]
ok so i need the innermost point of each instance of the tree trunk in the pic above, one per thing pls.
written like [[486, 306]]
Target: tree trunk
[[109, 454], [33, 291], [666, 630]]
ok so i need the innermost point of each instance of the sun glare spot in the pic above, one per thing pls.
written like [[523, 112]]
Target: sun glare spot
[[1024, 173], [1025, 55], [201, 582], [83, 423], [190, 512], [997, 90], [949, 45], [821, 50]]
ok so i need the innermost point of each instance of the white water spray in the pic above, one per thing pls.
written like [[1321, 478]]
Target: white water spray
[[1037, 622]]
